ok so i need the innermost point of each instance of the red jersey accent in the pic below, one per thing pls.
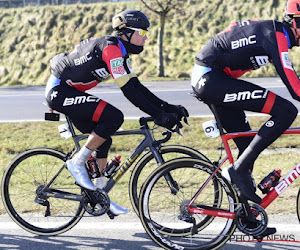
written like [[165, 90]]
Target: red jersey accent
[[82, 86], [288, 70], [109, 53], [269, 103], [228, 28], [235, 73], [99, 110]]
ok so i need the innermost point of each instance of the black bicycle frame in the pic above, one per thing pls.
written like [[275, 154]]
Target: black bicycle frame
[[147, 142]]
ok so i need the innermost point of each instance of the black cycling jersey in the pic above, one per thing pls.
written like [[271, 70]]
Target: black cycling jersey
[[244, 46], [92, 61], [86, 66], [249, 45]]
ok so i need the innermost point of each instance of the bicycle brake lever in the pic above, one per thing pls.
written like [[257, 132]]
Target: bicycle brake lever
[[177, 130], [186, 121]]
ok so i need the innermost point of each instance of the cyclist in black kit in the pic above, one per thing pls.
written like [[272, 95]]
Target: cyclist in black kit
[[86, 66], [244, 46]]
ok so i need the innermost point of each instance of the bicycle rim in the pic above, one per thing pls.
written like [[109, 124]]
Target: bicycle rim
[[298, 205], [158, 205], [28, 171], [148, 163]]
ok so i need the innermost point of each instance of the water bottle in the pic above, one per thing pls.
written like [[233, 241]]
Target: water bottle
[[93, 167], [271, 180], [112, 166]]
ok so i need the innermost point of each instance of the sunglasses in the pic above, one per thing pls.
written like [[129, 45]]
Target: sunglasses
[[297, 20], [141, 31]]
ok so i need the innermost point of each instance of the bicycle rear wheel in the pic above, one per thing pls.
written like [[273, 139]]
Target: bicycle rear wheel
[[158, 205], [29, 171], [298, 205], [148, 163]]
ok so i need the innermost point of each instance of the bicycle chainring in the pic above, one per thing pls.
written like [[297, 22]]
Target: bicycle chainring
[[252, 227], [96, 202]]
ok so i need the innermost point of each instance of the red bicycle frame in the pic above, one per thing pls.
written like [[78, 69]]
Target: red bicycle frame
[[269, 198]]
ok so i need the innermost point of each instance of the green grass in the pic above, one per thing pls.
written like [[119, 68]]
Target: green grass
[[17, 137]]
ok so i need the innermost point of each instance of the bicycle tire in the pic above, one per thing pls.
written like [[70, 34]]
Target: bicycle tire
[[147, 164], [158, 205], [24, 174], [298, 205]]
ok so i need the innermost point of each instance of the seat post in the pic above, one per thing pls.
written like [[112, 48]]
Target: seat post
[[212, 107], [70, 126]]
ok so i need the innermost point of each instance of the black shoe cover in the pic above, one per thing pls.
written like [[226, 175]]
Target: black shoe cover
[[244, 185]]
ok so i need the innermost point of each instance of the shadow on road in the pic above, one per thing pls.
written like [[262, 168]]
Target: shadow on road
[[9, 241], [142, 241]]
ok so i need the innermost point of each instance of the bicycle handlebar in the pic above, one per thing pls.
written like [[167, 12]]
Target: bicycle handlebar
[[167, 135], [145, 120]]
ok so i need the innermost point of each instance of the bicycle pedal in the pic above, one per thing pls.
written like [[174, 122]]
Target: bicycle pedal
[[268, 231], [111, 215]]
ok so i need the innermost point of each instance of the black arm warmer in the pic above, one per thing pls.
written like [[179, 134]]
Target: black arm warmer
[[141, 97]]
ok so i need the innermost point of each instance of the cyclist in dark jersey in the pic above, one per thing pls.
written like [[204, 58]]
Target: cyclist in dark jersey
[[87, 65], [244, 46]]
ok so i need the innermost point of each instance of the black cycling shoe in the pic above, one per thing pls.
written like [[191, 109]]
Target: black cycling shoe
[[268, 231], [243, 184]]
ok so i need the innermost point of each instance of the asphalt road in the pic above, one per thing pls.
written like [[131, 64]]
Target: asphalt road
[[26, 104], [126, 232]]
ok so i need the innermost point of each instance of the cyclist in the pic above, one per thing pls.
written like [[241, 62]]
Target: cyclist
[[244, 46], [92, 61]]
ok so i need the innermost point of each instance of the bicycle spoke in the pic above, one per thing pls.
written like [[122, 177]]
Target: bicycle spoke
[[165, 215], [23, 181]]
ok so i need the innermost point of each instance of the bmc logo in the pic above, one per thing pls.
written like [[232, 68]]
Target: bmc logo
[[79, 100], [288, 180], [82, 59], [245, 95], [243, 42]]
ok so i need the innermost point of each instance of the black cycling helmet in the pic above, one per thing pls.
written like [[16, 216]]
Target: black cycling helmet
[[130, 19]]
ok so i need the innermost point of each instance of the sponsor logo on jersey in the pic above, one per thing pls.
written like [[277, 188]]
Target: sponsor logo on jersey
[[245, 95], [128, 62], [102, 73], [243, 23], [53, 95], [243, 42], [79, 100], [286, 60], [117, 67], [83, 59], [270, 124], [258, 61]]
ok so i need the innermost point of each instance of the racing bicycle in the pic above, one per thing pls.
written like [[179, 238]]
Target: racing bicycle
[[40, 195], [203, 210]]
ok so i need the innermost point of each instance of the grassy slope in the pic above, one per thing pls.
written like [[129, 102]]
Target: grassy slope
[[30, 36]]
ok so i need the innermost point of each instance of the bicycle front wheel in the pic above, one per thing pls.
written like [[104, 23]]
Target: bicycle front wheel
[[158, 205], [148, 163], [29, 172]]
